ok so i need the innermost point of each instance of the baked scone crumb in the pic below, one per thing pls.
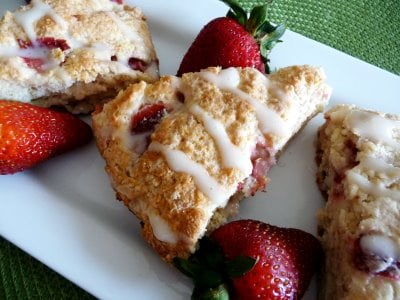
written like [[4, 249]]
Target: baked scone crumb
[[73, 53], [359, 172]]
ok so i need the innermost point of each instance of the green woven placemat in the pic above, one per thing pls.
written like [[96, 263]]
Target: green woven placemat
[[365, 29]]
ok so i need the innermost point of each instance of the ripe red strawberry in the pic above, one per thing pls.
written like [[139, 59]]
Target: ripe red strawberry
[[147, 117], [260, 261], [30, 135], [237, 40]]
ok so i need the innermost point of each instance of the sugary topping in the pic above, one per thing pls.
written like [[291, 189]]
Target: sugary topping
[[381, 131], [161, 229], [209, 186], [232, 156], [268, 119], [252, 159], [374, 127], [37, 49], [378, 254], [267, 130], [28, 18], [376, 189]]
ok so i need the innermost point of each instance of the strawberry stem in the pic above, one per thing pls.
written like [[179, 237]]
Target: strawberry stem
[[265, 33], [236, 12], [211, 272]]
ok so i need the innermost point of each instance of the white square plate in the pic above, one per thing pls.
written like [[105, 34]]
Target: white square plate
[[64, 212]]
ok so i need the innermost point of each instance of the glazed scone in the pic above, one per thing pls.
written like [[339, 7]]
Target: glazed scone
[[219, 133], [73, 53], [359, 172]]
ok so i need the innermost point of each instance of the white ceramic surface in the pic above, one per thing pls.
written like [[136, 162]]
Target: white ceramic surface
[[63, 212]]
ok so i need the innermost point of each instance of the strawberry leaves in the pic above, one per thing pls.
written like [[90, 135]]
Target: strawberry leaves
[[266, 34], [236, 12], [210, 271], [248, 259], [240, 39]]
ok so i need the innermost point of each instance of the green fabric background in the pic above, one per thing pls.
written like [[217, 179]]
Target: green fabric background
[[369, 30]]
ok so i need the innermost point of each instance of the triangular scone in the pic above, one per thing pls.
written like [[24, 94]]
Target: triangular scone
[[359, 171], [221, 132], [73, 53]]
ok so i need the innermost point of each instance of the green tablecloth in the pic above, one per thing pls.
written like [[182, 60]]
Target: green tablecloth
[[369, 30]]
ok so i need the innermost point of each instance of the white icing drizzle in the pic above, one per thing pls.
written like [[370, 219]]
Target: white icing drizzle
[[161, 230], [102, 51], [137, 142], [37, 52], [380, 245], [269, 121], [379, 130], [232, 156], [127, 31], [380, 166], [179, 162], [373, 127], [176, 83], [28, 18], [374, 189]]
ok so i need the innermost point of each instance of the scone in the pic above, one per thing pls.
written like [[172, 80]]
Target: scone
[[219, 132], [73, 53], [359, 171]]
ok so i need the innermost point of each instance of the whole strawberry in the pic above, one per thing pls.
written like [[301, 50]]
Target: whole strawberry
[[30, 135], [258, 261], [237, 40]]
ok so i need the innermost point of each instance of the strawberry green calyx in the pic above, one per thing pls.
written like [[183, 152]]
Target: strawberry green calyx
[[211, 272], [265, 33]]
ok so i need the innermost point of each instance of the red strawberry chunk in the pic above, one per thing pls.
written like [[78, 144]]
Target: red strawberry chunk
[[34, 63], [24, 44], [30, 135], [262, 160], [45, 42], [52, 43], [147, 117], [375, 263], [118, 1], [137, 64]]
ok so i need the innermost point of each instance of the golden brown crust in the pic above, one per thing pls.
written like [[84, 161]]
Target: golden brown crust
[[171, 204], [101, 35]]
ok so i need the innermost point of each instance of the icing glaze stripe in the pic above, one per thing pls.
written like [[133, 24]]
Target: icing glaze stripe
[[374, 189], [231, 155], [161, 230], [373, 127], [229, 80], [179, 162]]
